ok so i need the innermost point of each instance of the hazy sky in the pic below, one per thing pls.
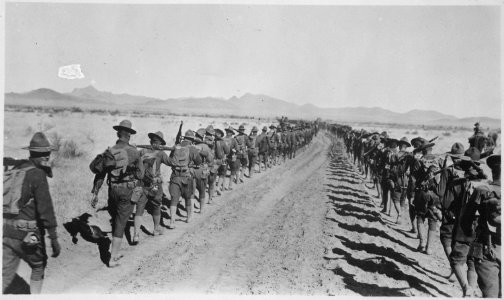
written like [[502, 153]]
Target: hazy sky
[[444, 58]]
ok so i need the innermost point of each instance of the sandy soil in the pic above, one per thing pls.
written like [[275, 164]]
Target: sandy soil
[[307, 227]]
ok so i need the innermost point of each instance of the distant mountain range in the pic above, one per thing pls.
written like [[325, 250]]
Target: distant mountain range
[[246, 105]]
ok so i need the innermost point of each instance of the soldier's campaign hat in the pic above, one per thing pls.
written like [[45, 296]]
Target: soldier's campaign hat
[[493, 161], [265, 128], [272, 126], [457, 150], [391, 141], [219, 133], [473, 153], [200, 133], [189, 135], [158, 135], [210, 130], [423, 146], [241, 128], [383, 136], [418, 141], [125, 125], [40, 143], [404, 140], [229, 130], [254, 129]]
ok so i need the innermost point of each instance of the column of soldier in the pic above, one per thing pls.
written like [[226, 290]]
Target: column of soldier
[[447, 193], [200, 162]]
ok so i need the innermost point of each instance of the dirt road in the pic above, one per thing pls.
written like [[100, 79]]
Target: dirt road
[[307, 227]]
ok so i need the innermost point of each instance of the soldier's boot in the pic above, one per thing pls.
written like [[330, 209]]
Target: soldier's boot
[[189, 213], [251, 172], [173, 215], [156, 219], [421, 235], [472, 278], [136, 231], [36, 286], [202, 203], [114, 251], [431, 238]]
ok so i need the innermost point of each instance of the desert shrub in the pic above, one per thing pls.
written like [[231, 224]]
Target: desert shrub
[[447, 133], [414, 132], [115, 112], [407, 132], [70, 149], [76, 109], [56, 140], [29, 131]]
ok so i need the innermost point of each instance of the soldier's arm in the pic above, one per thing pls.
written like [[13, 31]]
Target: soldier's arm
[[43, 203], [98, 182], [167, 160]]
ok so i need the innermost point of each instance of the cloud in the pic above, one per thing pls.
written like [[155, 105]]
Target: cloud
[[70, 72]]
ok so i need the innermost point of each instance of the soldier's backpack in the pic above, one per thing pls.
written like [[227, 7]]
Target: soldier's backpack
[[102, 162], [12, 186], [180, 156]]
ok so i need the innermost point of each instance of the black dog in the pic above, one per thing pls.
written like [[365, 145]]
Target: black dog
[[90, 233]]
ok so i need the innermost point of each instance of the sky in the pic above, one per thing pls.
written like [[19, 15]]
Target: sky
[[443, 58]]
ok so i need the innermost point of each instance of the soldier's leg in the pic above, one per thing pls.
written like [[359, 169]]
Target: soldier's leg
[[155, 205], [489, 274], [10, 261], [140, 208], [385, 197], [422, 232], [37, 260], [186, 194], [124, 210], [445, 236], [212, 177], [201, 187], [412, 214], [396, 199], [175, 191], [458, 261], [431, 235]]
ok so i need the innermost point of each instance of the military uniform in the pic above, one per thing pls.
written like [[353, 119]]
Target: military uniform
[[264, 146]]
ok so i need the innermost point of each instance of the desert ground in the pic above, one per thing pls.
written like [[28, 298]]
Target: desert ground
[[307, 227]]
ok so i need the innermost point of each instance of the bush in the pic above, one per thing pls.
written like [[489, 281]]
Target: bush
[[446, 133], [70, 149]]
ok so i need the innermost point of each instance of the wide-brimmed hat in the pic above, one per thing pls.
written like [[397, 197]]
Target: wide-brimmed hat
[[473, 153], [424, 146], [241, 128], [158, 135], [200, 133], [210, 130], [493, 160], [189, 135], [254, 129], [125, 125], [40, 143], [265, 128], [418, 140], [219, 133], [230, 130], [391, 141], [272, 126], [457, 150], [404, 140]]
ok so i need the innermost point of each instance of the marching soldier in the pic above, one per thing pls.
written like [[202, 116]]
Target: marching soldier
[[486, 249], [233, 162], [221, 153], [201, 171], [123, 179], [264, 146], [274, 140], [28, 214], [243, 144], [253, 151], [152, 185]]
